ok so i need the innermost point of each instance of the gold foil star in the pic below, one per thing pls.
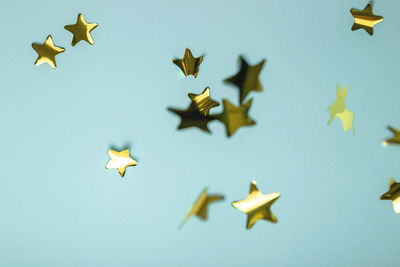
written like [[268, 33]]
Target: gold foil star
[[247, 78], [47, 52], [203, 103], [81, 30], [120, 161], [364, 19], [189, 64], [338, 109], [235, 117], [393, 194], [199, 208], [395, 139], [257, 206]]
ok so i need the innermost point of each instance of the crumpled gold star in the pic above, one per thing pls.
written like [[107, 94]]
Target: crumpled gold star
[[393, 194], [395, 139], [257, 206], [247, 78], [235, 117], [203, 103], [81, 30], [47, 52], [365, 19], [120, 160], [199, 208], [338, 109], [189, 64]]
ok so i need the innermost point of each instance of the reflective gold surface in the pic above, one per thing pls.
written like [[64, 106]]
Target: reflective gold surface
[[393, 194], [235, 117], [199, 208], [338, 109], [81, 30], [395, 139], [247, 78], [257, 206], [120, 161], [365, 19], [189, 64], [47, 52], [203, 103]]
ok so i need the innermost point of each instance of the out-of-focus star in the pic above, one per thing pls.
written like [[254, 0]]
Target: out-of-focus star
[[395, 139], [47, 52], [235, 117], [199, 208], [203, 103], [81, 30], [393, 194], [192, 118], [189, 64], [338, 109], [257, 206], [365, 19], [120, 160], [247, 78]]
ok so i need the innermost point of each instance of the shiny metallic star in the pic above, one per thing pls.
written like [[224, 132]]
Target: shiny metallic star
[[395, 139], [189, 64], [81, 30], [338, 109], [47, 52], [203, 103], [365, 19], [393, 194], [120, 160]]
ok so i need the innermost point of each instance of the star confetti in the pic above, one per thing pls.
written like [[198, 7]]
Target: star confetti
[[47, 52], [395, 139], [81, 30], [203, 103], [189, 64], [120, 161], [365, 19], [338, 109], [393, 194], [199, 208], [257, 206]]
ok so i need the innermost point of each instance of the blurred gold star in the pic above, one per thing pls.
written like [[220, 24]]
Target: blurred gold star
[[247, 78], [393, 194], [395, 139], [365, 19], [203, 103], [192, 118], [338, 109], [199, 208], [47, 52], [257, 206], [81, 30], [189, 64], [235, 117], [120, 161]]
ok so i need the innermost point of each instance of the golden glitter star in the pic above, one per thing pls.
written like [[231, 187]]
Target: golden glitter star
[[192, 118], [189, 64], [81, 30], [395, 139], [199, 208], [364, 19], [120, 161], [257, 206], [393, 194], [47, 52], [203, 103], [235, 117], [338, 109], [247, 78]]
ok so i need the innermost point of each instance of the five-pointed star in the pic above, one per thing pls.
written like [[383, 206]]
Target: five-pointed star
[[199, 208], [257, 206], [192, 118], [364, 19], [338, 109], [189, 64], [395, 139], [203, 103], [47, 52], [120, 161], [393, 194], [247, 78], [81, 30], [235, 117]]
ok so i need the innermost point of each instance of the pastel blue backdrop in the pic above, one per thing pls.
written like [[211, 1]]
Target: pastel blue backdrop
[[60, 207]]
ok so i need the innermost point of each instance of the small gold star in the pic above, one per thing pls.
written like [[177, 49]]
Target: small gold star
[[247, 78], [120, 161], [338, 109], [199, 208], [395, 139], [257, 206], [393, 194], [47, 52], [189, 64], [235, 117], [364, 19], [192, 118], [203, 103], [81, 30]]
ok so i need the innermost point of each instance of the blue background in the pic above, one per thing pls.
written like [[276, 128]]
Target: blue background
[[60, 207]]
